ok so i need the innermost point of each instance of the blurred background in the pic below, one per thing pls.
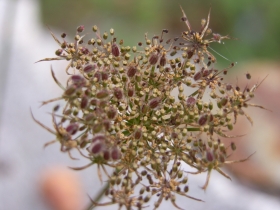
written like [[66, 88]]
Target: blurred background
[[25, 39]]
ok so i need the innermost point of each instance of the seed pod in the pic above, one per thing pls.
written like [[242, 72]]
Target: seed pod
[[118, 93], [89, 117], [191, 101], [78, 80], [203, 120], [102, 94], [209, 156], [131, 71], [106, 155], [97, 75], [89, 68], [162, 61], [233, 146], [130, 91], [84, 102], [138, 133], [190, 53], [112, 113], [107, 125], [115, 153], [153, 59], [115, 50], [154, 103], [72, 128], [96, 147], [80, 28], [58, 52], [70, 90], [248, 76], [104, 76], [94, 102], [197, 76], [223, 101], [228, 87], [96, 128]]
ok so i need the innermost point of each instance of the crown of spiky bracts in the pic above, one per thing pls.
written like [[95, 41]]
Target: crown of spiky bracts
[[122, 112]]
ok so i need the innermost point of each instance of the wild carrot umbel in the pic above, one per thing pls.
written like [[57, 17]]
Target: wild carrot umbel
[[122, 112]]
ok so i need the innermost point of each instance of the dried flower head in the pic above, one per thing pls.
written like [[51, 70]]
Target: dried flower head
[[120, 109]]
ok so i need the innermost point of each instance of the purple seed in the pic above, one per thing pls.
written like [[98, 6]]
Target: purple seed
[[115, 50], [94, 102], [112, 113], [89, 117], [106, 155], [162, 61], [228, 87], [190, 53], [131, 71], [80, 28], [130, 91], [89, 68], [115, 153], [154, 103], [107, 124], [203, 120], [197, 76], [209, 156], [191, 101], [84, 102], [104, 76], [138, 134], [118, 93], [97, 75], [153, 59], [96, 148], [72, 128]]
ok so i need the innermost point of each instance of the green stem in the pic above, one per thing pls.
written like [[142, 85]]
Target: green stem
[[98, 197]]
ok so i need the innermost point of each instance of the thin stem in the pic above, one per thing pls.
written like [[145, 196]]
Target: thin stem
[[98, 197]]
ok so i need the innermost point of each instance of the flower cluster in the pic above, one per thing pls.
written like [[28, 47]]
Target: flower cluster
[[142, 111]]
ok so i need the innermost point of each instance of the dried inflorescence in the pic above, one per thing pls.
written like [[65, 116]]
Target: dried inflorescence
[[121, 111]]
